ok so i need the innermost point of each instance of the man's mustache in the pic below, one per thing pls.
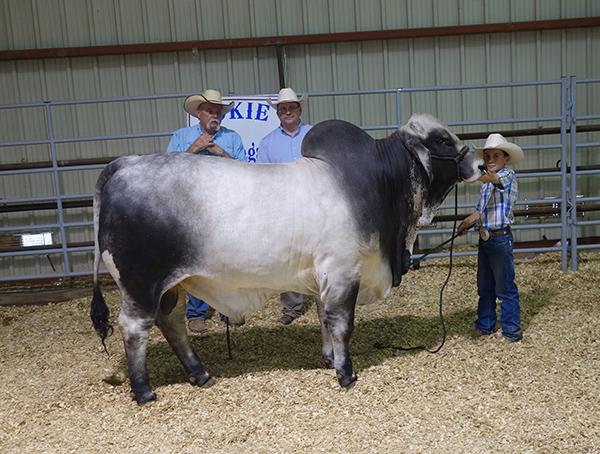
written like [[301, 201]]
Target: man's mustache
[[213, 125]]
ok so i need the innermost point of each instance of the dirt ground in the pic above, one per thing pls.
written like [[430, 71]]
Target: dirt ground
[[59, 392]]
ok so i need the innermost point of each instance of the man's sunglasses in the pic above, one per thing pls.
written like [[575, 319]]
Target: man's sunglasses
[[289, 109]]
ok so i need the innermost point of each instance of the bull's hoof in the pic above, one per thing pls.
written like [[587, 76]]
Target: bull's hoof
[[144, 398], [328, 361], [205, 380], [347, 382]]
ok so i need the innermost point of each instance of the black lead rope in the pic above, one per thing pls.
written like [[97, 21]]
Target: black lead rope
[[228, 336], [416, 263], [380, 345]]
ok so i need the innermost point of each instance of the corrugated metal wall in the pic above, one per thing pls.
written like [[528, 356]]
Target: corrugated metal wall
[[428, 61], [501, 57]]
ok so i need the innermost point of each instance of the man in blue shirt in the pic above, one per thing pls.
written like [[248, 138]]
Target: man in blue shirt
[[208, 137], [284, 145]]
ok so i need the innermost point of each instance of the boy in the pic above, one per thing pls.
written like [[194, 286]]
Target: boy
[[495, 263]]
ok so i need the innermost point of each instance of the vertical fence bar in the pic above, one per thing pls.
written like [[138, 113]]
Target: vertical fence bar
[[563, 172], [57, 191], [399, 107], [573, 146]]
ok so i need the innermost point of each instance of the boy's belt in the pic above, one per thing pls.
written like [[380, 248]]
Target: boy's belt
[[500, 232], [485, 234]]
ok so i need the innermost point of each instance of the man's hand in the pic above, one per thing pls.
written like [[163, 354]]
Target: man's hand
[[489, 177], [213, 148], [200, 144]]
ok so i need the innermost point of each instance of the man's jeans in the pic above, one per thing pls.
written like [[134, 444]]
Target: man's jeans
[[496, 279], [195, 308], [291, 302]]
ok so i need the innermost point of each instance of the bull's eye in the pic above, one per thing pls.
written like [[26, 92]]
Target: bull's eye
[[444, 141]]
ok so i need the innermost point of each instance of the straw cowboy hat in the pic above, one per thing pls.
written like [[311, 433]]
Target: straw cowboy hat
[[287, 95], [191, 103], [498, 142]]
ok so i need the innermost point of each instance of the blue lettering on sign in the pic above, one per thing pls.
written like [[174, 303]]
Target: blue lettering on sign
[[261, 112], [234, 113], [251, 153]]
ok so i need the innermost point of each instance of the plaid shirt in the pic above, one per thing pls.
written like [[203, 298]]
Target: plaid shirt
[[496, 205]]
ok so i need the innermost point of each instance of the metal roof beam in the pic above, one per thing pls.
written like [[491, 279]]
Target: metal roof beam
[[293, 40]]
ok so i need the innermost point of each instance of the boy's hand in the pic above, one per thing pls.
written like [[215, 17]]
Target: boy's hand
[[467, 223], [489, 177], [463, 227]]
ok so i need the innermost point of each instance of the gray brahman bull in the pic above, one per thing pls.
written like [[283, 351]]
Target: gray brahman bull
[[339, 224]]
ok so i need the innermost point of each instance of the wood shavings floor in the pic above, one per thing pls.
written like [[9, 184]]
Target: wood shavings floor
[[60, 393]]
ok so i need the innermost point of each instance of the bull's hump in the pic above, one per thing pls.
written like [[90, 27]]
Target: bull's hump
[[330, 140]]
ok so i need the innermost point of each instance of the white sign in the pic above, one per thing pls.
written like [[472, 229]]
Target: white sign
[[252, 118]]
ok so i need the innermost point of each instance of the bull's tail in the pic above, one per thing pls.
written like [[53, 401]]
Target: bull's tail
[[99, 312]]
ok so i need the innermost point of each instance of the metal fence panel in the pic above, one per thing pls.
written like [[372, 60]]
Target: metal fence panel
[[501, 57], [74, 224]]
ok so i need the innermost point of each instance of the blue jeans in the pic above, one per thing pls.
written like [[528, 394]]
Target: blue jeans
[[195, 308], [496, 279]]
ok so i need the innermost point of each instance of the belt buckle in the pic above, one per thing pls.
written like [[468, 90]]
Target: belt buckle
[[484, 234]]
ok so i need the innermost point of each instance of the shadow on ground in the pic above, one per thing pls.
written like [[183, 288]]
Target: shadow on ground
[[296, 347]]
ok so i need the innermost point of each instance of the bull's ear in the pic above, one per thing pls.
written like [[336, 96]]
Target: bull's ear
[[424, 159], [416, 134]]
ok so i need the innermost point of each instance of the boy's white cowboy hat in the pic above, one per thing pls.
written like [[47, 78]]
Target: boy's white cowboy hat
[[287, 95], [191, 103], [498, 142]]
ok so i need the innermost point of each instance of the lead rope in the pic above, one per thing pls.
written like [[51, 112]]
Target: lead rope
[[228, 337], [380, 345]]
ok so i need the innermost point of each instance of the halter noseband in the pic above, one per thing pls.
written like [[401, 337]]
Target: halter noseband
[[457, 159]]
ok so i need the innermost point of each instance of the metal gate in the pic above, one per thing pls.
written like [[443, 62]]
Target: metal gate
[[41, 240]]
